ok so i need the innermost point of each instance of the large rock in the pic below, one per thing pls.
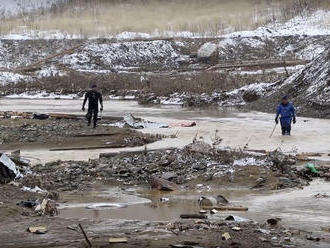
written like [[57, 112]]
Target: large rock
[[163, 184], [208, 53]]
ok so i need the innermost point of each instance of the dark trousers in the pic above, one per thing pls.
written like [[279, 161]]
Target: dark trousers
[[92, 113], [286, 126]]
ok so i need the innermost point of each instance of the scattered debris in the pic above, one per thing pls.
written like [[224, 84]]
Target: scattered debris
[[38, 229], [85, 235], [28, 203], [164, 199], [36, 189], [227, 208], [311, 168], [73, 228], [319, 195], [117, 240], [47, 207], [273, 221], [326, 229], [8, 169], [214, 211], [313, 238], [226, 236]]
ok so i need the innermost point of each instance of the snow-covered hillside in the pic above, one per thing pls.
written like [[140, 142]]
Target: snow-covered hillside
[[16, 7]]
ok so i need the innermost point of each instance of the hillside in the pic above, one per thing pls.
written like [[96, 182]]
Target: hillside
[[309, 89]]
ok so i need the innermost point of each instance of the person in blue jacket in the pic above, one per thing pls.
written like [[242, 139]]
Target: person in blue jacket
[[287, 114]]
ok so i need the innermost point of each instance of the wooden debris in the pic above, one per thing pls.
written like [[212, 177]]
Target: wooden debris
[[227, 208], [85, 236], [130, 153], [94, 135], [117, 240], [193, 216], [86, 148]]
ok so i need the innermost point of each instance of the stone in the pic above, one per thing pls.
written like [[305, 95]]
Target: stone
[[226, 236], [163, 184], [208, 53]]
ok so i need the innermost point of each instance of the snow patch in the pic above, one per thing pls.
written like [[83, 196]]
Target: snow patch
[[43, 95], [11, 77]]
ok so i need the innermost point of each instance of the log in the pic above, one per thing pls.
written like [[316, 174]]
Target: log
[[86, 148], [130, 153], [85, 236], [94, 135], [227, 208], [193, 216]]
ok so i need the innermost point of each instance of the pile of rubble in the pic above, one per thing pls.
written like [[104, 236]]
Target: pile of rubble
[[197, 162]]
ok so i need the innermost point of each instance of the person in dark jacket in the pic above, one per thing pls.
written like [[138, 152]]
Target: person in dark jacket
[[287, 114], [93, 97]]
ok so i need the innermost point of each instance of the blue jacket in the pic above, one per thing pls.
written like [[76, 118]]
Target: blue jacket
[[287, 112]]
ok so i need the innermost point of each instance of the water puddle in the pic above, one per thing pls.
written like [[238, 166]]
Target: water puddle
[[297, 208]]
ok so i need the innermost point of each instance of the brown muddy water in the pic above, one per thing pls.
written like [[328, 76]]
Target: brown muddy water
[[298, 208], [237, 129]]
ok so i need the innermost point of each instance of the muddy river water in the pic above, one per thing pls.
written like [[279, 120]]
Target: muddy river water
[[298, 208]]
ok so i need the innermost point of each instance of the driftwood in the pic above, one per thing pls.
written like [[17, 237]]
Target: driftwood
[[193, 216], [129, 153], [86, 148], [226, 208], [85, 236], [94, 135]]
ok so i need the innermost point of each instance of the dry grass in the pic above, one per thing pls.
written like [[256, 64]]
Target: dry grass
[[108, 17], [160, 85]]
